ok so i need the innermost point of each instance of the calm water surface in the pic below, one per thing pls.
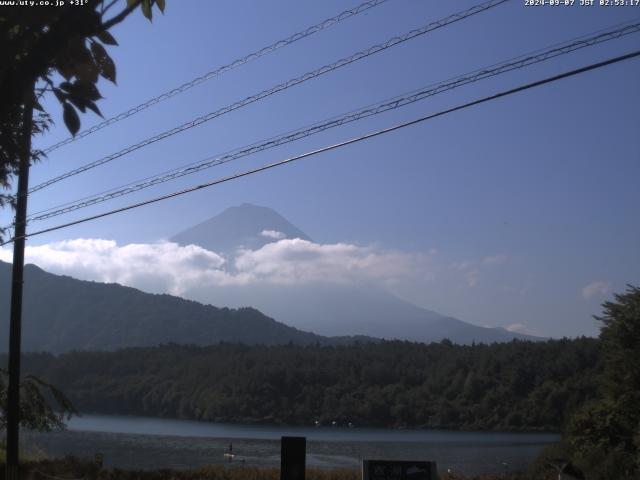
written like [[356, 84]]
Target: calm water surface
[[138, 442]]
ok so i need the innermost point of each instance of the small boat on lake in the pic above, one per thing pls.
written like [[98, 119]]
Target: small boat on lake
[[228, 454]]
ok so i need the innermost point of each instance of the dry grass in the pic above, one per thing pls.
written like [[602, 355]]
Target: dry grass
[[71, 468]]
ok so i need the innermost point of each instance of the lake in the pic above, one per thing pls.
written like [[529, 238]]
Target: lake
[[143, 443]]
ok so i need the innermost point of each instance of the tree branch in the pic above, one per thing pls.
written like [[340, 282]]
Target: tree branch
[[121, 16], [106, 9]]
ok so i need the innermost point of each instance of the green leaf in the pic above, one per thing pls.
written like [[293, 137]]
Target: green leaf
[[88, 71], [98, 51], [60, 95], [37, 105], [76, 53], [71, 119], [94, 108], [78, 102], [107, 67], [106, 38], [63, 67], [131, 3], [161, 5], [87, 90], [146, 9], [66, 86]]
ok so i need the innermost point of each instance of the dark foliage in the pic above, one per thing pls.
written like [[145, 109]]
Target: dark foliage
[[42, 406], [70, 467], [510, 386], [63, 314], [604, 436], [53, 51]]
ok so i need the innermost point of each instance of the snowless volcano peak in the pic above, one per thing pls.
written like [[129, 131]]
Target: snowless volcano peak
[[244, 226]]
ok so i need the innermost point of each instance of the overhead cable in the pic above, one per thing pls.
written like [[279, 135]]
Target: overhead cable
[[355, 115], [368, 136], [220, 70], [278, 88]]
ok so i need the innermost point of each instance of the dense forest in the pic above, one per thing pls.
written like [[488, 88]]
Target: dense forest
[[62, 314], [508, 386]]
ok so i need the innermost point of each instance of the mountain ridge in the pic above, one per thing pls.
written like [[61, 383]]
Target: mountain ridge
[[324, 308], [61, 314]]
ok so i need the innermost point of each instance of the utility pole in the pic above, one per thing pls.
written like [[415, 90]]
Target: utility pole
[[15, 326]]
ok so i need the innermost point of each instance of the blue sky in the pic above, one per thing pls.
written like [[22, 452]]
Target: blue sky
[[524, 205]]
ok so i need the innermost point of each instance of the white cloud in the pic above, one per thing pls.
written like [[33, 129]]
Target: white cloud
[[276, 235], [598, 287], [158, 267], [473, 264], [519, 290], [461, 266], [296, 260], [472, 277], [495, 260], [169, 267], [519, 328], [471, 269]]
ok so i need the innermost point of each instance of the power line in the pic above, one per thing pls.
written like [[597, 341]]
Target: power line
[[389, 104], [375, 109], [368, 136], [220, 70], [283, 86]]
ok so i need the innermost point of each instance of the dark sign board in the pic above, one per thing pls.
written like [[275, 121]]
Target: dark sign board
[[398, 470], [292, 458]]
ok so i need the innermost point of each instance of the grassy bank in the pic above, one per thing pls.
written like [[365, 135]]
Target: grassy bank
[[73, 468]]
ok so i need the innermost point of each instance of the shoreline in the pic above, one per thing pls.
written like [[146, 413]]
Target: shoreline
[[147, 451], [90, 470], [322, 427]]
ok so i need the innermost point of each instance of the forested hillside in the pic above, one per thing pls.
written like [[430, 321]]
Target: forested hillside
[[63, 314], [509, 386]]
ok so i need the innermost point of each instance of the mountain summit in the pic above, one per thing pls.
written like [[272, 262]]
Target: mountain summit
[[324, 307], [62, 313], [245, 226]]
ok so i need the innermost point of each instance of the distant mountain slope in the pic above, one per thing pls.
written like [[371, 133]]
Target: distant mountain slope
[[324, 308], [246, 226], [341, 310], [63, 314]]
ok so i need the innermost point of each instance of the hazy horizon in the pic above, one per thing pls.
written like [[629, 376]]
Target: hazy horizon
[[516, 213], [245, 276]]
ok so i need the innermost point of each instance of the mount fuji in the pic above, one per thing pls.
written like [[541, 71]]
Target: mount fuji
[[326, 308]]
